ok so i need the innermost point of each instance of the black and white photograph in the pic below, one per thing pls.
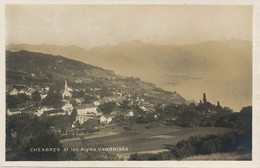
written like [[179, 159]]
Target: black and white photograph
[[128, 82]]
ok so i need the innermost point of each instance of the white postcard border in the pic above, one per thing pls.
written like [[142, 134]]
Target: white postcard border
[[256, 89]]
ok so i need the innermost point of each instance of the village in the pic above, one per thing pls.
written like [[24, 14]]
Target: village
[[84, 112]]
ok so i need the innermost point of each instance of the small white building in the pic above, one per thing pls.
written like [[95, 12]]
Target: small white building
[[83, 118], [14, 92], [79, 100], [86, 109], [42, 110], [109, 120], [43, 96], [104, 120], [86, 112], [155, 116], [22, 91], [118, 104], [29, 92], [97, 103], [78, 80], [55, 114], [47, 88], [144, 108], [130, 114], [118, 94], [13, 111], [67, 108]]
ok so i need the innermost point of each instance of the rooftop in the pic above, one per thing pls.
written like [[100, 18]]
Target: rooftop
[[83, 106]]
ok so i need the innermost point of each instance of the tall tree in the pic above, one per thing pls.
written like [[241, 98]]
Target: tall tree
[[73, 114], [53, 99], [204, 98], [107, 108], [218, 104], [36, 96]]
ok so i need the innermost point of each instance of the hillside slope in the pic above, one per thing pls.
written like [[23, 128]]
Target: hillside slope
[[30, 68]]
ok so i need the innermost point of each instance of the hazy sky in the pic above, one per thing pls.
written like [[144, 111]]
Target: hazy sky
[[93, 25]]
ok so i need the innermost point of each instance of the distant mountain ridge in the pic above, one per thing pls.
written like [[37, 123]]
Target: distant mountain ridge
[[222, 69], [67, 51]]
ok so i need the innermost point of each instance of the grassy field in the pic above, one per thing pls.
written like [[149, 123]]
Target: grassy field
[[222, 156], [142, 139]]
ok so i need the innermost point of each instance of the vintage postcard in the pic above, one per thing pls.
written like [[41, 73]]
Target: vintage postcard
[[85, 83]]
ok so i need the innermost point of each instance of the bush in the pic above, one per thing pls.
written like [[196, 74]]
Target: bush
[[36, 96], [53, 99], [197, 145], [147, 156], [107, 108], [183, 149], [24, 132], [189, 118], [12, 101], [90, 125]]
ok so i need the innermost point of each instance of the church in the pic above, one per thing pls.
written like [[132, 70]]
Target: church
[[67, 90]]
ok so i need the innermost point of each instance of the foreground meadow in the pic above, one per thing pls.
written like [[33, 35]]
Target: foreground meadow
[[142, 140]]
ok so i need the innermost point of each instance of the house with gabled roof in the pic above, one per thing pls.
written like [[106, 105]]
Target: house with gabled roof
[[41, 110], [14, 92], [86, 109], [86, 112], [29, 92], [67, 108], [78, 80], [22, 91]]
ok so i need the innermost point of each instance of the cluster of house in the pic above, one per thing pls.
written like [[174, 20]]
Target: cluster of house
[[27, 107], [84, 111], [27, 91]]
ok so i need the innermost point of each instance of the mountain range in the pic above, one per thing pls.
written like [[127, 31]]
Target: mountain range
[[222, 69]]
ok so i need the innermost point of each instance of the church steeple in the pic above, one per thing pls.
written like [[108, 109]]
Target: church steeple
[[67, 90], [66, 86]]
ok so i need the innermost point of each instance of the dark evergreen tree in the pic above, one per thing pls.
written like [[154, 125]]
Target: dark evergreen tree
[[36, 96], [218, 105], [125, 104], [107, 108], [204, 98], [73, 114], [24, 132], [53, 99]]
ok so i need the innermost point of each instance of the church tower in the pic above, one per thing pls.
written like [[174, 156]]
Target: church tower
[[67, 91]]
